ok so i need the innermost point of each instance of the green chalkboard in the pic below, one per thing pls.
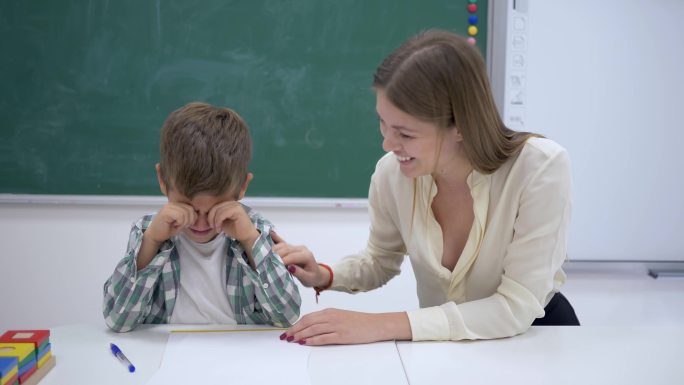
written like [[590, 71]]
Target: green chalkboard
[[86, 86]]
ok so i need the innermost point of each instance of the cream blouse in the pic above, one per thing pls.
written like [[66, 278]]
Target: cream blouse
[[510, 266]]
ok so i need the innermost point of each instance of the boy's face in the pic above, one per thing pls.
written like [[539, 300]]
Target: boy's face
[[201, 231]]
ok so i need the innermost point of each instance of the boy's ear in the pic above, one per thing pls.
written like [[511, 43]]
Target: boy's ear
[[243, 190], [162, 185]]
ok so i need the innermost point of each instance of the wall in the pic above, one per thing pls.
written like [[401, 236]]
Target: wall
[[604, 79], [56, 258]]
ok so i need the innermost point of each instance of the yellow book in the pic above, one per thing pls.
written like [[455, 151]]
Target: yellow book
[[23, 351], [44, 359]]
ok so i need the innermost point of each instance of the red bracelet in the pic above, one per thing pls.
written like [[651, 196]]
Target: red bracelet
[[320, 289]]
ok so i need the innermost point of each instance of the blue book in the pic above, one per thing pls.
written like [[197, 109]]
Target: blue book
[[7, 364], [43, 352], [27, 366]]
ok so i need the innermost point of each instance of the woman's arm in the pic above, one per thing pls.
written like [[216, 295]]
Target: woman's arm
[[384, 253], [365, 271]]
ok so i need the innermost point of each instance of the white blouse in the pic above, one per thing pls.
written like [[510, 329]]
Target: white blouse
[[510, 266]]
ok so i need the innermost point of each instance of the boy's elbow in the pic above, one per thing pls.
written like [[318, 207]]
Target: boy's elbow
[[284, 322], [289, 308], [288, 318], [116, 327], [119, 327], [292, 318]]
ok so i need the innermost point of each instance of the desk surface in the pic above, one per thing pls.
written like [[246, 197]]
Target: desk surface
[[543, 355]]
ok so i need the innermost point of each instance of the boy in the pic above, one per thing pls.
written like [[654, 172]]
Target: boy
[[204, 257]]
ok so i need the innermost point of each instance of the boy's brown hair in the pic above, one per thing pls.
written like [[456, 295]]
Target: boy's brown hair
[[204, 149]]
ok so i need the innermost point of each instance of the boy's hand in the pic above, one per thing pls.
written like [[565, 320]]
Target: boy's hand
[[172, 218], [232, 219]]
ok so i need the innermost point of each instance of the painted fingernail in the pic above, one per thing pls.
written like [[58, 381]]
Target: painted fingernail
[[302, 342], [290, 338], [291, 269], [283, 336]]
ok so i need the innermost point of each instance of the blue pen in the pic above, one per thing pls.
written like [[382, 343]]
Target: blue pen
[[119, 354]]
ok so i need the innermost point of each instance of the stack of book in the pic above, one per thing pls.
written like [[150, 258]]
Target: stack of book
[[25, 356]]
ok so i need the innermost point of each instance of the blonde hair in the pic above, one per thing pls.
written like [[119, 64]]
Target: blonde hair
[[204, 149], [438, 77]]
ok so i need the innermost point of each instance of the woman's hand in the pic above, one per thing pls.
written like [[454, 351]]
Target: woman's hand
[[300, 262], [334, 326]]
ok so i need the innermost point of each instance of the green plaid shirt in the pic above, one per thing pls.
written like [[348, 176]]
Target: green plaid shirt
[[267, 295]]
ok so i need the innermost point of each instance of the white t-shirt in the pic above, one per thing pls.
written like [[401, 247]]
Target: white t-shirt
[[202, 297]]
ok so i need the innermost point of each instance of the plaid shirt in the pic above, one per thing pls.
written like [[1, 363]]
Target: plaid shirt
[[267, 295]]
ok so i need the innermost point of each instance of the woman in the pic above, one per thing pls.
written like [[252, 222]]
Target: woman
[[481, 210]]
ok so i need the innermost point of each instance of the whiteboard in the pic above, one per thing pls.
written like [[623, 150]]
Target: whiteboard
[[605, 79]]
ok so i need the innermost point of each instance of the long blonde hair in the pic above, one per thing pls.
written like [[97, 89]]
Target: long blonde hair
[[438, 77]]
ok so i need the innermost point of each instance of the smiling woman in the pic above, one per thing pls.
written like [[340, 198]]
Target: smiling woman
[[481, 210]]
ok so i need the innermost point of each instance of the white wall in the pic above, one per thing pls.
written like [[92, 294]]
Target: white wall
[[55, 259], [605, 80]]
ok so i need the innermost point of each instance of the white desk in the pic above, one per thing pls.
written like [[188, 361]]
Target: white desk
[[553, 356], [543, 355]]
